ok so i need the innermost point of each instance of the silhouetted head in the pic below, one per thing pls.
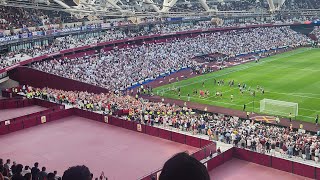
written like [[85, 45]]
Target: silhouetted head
[[77, 173], [183, 166], [19, 168]]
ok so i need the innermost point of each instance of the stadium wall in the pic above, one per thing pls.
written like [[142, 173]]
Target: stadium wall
[[54, 112], [305, 29], [264, 160], [36, 78]]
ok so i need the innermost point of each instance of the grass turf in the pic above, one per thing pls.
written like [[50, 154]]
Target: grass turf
[[292, 76]]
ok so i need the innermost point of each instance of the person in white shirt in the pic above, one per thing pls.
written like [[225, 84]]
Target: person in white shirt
[[26, 170]]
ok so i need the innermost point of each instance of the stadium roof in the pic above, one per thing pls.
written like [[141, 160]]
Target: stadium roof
[[147, 8]]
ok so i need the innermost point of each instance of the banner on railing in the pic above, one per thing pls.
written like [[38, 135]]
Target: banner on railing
[[7, 122], [43, 119], [139, 128], [106, 119]]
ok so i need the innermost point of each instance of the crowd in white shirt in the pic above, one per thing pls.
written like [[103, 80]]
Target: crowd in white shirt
[[120, 68]]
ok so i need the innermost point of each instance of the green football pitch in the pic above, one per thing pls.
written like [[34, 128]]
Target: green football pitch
[[292, 77]]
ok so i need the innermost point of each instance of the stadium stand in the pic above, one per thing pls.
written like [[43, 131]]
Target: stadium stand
[[247, 5], [300, 4], [119, 69], [15, 18], [68, 42]]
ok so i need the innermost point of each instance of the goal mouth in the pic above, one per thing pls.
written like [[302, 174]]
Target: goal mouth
[[277, 107]]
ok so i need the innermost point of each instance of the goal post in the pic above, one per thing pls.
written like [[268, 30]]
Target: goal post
[[276, 107]]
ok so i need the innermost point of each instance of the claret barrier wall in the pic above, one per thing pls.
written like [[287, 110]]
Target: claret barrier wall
[[24, 102], [36, 78], [277, 163], [264, 160], [16, 103], [54, 112]]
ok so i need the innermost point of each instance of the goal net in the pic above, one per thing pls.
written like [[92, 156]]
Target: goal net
[[276, 107]]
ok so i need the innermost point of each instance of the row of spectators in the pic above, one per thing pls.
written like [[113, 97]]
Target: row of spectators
[[263, 138], [13, 171], [120, 68], [189, 168], [246, 5], [68, 42], [243, 5], [300, 4], [75, 41], [15, 17]]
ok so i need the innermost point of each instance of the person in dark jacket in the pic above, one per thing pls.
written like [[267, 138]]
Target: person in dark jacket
[[35, 171], [17, 175], [77, 173], [43, 174]]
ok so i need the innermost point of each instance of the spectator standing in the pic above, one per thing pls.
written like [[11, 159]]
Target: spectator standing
[[35, 171], [17, 175], [43, 174], [307, 149], [4, 172], [26, 170], [7, 164], [268, 146], [13, 167]]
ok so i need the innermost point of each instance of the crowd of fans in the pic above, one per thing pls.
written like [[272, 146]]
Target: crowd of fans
[[246, 5], [119, 69], [259, 137], [68, 42], [316, 32], [75, 41], [15, 17], [300, 4], [12, 171]]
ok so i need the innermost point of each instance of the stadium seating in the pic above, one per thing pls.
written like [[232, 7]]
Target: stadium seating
[[120, 69], [15, 18], [92, 82]]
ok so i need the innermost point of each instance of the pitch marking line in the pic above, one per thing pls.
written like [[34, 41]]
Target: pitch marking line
[[292, 94]]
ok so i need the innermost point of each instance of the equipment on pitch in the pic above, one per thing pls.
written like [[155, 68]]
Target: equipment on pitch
[[276, 107]]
